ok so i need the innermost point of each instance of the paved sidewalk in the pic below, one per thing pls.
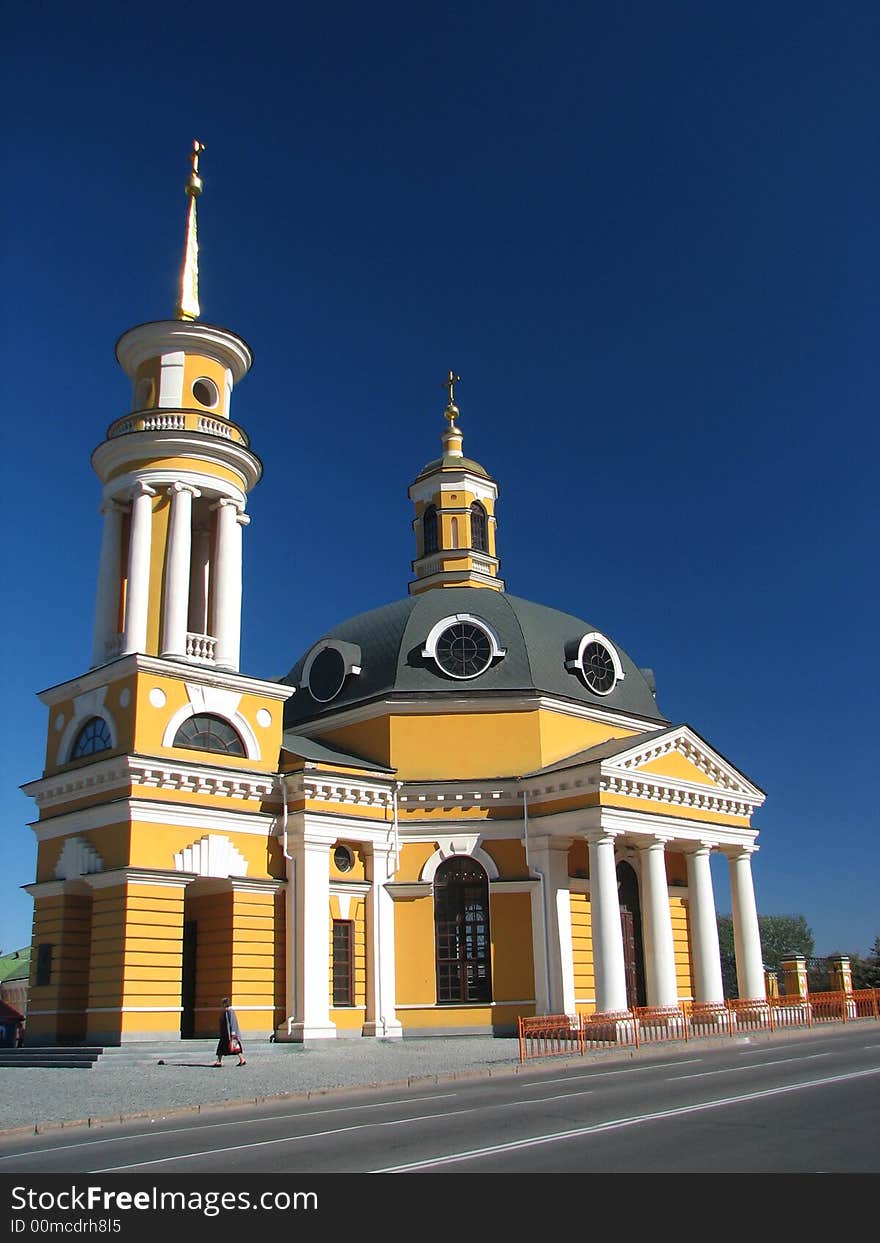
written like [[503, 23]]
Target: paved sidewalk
[[157, 1080]]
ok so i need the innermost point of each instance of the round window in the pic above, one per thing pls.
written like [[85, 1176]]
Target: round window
[[327, 675], [463, 650], [205, 392], [598, 668], [343, 858]]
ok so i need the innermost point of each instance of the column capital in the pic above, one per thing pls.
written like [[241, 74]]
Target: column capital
[[243, 519], [698, 848], [182, 487], [110, 505], [654, 842], [225, 501], [597, 837], [141, 489], [740, 852]]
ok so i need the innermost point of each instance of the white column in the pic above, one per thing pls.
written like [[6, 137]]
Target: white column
[[308, 941], [549, 858], [381, 1016], [662, 987], [227, 583], [109, 583], [708, 985], [137, 596], [177, 570], [746, 934], [608, 961]]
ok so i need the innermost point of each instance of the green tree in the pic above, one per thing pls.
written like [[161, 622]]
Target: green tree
[[781, 935], [866, 971]]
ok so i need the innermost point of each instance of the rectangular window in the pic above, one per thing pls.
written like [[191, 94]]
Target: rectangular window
[[343, 962], [44, 963]]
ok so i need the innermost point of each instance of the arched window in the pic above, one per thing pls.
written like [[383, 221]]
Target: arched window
[[429, 530], [479, 529], [461, 931], [205, 732], [93, 737]]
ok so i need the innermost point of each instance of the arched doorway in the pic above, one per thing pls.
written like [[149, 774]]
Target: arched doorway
[[631, 927], [461, 931]]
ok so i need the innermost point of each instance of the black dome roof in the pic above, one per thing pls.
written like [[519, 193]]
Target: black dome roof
[[537, 641]]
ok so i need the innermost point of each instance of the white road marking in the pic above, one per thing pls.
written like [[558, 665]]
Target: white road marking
[[618, 1124], [602, 1074], [213, 1126], [728, 1070]]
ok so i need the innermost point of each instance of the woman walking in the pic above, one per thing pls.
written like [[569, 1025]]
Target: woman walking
[[230, 1041]]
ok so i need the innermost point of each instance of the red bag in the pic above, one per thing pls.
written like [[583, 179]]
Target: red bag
[[234, 1044]]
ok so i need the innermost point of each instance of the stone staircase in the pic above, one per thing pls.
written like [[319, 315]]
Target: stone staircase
[[112, 1057]]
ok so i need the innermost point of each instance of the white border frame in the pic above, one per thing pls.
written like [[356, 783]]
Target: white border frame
[[596, 636]]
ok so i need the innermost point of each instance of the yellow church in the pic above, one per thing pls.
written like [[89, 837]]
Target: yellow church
[[456, 809]]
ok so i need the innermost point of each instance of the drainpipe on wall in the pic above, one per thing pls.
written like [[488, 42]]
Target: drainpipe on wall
[[291, 881], [525, 797]]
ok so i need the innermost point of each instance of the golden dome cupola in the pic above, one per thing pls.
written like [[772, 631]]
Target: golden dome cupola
[[454, 522]]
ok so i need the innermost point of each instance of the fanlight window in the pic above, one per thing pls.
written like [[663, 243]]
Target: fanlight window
[[429, 530], [205, 732], [479, 532], [93, 737], [461, 931]]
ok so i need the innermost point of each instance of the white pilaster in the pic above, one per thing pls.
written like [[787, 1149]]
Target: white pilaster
[[549, 858], [381, 1016], [227, 584], [308, 942], [708, 985], [109, 575], [746, 933], [608, 958], [177, 570], [138, 590], [662, 987]]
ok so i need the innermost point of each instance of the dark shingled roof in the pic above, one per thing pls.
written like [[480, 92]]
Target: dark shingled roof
[[319, 752], [537, 639]]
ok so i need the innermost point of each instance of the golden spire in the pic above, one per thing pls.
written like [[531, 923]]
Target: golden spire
[[188, 305], [452, 409]]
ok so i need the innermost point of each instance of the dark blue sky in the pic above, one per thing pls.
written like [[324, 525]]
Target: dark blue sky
[[646, 237]]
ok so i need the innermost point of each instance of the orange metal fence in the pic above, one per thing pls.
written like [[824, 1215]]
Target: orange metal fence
[[550, 1035]]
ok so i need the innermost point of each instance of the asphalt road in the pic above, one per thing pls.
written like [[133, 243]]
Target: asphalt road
[[793, 1106]]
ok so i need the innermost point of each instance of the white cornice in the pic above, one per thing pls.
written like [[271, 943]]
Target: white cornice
[[125, 666], [113, 455], [173, 815], [167, 336], [128, 770]]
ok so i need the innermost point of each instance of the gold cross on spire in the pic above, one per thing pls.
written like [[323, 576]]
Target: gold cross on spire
[[449, 383]]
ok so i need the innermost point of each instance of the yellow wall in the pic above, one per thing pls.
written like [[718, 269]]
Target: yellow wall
[[513, 967], [678, 909], [416, 981], [674, 764], [582, 953], [64, 922], [350, 1018]]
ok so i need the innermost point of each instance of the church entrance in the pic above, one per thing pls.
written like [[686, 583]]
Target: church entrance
[[631, 928]]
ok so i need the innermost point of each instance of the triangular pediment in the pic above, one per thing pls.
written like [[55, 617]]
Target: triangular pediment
[[679, 754]]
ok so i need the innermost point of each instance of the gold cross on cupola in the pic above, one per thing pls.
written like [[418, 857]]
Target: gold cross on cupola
[[449, 383]]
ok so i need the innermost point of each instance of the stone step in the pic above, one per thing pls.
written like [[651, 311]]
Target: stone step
[[50, 1058]]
